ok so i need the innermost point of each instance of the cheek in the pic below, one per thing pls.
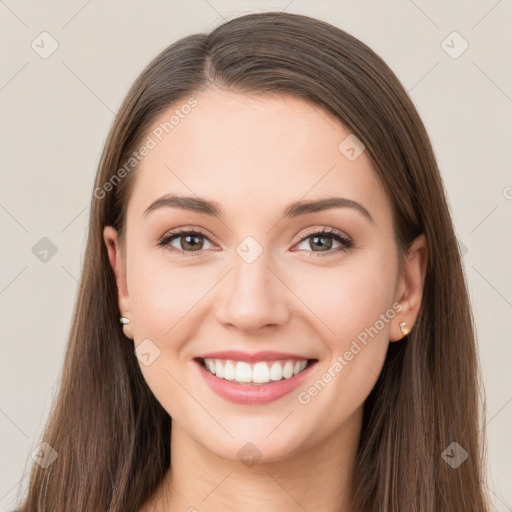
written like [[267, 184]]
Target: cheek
[[349, 298], [163, 300], [161, 295], [355, 301]]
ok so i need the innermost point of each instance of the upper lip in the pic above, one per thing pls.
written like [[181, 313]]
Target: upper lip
[[237, 355]]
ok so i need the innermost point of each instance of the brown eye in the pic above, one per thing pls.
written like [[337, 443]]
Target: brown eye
[[191, 242], [185, 241], [324, 240]]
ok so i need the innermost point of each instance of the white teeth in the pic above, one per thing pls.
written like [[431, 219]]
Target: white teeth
[[242, 371], [288, 370], [229, 371], [219, 369], [276, 372], [260, 373]]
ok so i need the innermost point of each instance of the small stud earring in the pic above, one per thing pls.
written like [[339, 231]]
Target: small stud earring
[[403, 327], [124, 320]]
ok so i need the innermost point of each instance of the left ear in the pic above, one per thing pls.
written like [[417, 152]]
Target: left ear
[[410, 287]]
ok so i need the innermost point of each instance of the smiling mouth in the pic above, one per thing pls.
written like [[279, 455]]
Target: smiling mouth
[[257, 373]]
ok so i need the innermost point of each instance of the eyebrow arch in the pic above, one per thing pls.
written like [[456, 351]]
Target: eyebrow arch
[[296, 209]]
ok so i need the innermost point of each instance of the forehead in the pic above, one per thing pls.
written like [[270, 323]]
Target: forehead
[[252, 150]]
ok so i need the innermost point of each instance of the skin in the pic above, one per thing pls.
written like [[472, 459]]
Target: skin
[[254, 155]]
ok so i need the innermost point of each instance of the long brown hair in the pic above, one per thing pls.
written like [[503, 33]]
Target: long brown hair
[[112, 436]]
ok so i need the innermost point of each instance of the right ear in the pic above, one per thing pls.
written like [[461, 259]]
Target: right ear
[[117, 264]]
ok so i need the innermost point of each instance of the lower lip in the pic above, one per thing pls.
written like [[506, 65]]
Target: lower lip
[[254, 394]]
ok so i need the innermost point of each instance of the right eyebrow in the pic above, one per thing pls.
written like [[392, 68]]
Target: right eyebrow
[[195, 204]]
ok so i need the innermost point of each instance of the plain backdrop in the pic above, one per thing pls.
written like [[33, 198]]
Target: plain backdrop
[[56, 110]]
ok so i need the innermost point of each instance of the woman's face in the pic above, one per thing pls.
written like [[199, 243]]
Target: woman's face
[[255, 278]]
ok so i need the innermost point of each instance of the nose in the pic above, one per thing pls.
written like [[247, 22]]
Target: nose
[[253, 296]]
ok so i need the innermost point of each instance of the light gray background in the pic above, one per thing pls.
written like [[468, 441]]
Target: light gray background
[[56, 112]]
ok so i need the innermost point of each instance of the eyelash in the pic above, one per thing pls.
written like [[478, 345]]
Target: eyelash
[[346, 243]]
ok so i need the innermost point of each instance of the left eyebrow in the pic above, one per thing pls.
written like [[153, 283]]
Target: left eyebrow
[[305, 207], [296, 209]]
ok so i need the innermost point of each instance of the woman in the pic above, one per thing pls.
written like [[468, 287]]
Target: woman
[[317, 351]]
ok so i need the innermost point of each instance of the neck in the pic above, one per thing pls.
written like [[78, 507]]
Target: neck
[[316, 477]]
